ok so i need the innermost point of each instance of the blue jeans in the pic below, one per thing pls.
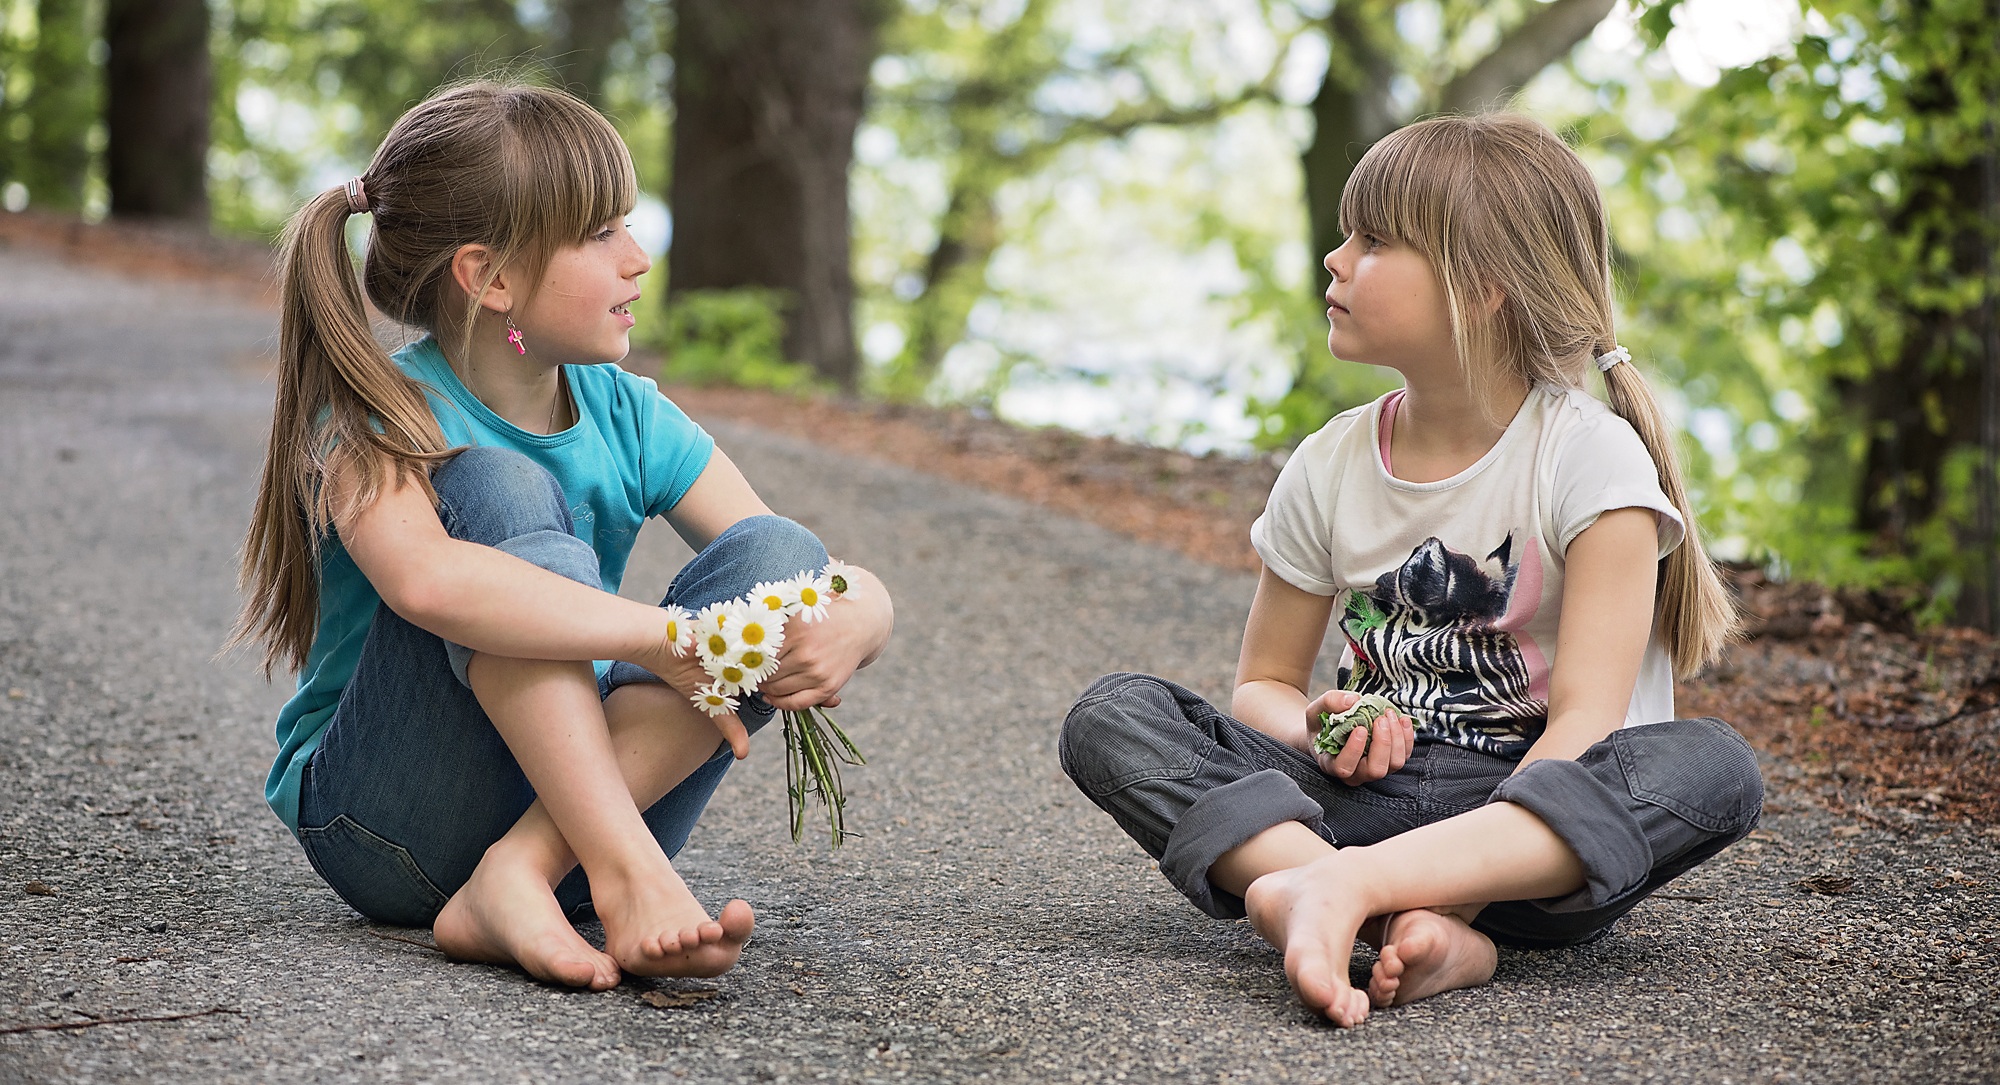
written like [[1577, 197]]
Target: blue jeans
[[411, 783]]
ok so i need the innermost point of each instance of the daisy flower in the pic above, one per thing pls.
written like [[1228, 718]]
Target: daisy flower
[[839, 575], [815, 592], [762, 630], [679, 624], [731, 677], [716, 629], [714, 700], [757, 664], [777, 597]]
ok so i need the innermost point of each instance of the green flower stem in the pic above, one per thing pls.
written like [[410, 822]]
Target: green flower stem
[[815, 747]]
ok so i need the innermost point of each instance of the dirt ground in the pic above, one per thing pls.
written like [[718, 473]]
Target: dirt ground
[[1886, 723]]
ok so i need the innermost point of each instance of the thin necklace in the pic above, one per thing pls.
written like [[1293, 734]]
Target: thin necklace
[[556, 402]]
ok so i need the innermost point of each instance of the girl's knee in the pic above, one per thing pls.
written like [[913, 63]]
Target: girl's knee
[[487, 495], [774, 546], [1118, 733], [1700, 768]]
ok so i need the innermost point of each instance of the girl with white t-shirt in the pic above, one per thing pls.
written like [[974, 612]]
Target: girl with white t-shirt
[[1512, 564]]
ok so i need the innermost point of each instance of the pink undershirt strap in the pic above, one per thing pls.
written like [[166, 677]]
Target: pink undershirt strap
[[1388, 423]]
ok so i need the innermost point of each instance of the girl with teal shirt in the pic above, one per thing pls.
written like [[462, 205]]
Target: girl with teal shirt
[[486, 739]]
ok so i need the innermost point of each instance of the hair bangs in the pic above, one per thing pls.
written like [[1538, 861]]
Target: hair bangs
[[1398, 192], [573, 174]]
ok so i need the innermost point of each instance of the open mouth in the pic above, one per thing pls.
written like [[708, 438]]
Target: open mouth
[[623, 308]]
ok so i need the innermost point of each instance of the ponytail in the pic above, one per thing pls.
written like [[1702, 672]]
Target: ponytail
[[343, 405], [522, 170], [1697, 618]]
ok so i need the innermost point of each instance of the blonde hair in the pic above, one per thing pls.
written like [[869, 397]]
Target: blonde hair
[[522, 170], [1499, 205]]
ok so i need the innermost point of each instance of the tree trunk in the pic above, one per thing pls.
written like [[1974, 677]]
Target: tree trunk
[[158, 85], [61, 106], [589, 28], [767, 97], [1350, 113]]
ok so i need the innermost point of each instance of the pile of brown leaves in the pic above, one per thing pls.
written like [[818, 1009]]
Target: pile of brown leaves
[[1846, 694]]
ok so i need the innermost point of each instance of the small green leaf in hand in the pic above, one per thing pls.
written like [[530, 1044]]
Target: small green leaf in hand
[[1335, 727]]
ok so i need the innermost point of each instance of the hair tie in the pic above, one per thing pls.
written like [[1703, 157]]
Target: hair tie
[[1612, 357], [357, 197]]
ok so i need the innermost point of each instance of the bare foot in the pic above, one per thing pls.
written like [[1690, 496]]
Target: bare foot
[[506, 914], [1424, 953], [1312, 914], [654, 927]]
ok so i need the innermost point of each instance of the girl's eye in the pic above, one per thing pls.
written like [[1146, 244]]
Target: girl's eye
[[1371, 241]]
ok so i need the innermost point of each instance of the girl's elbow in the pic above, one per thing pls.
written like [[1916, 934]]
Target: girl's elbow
[[418, 599]]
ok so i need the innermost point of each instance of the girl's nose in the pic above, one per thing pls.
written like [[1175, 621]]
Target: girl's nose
[[1333, 264]]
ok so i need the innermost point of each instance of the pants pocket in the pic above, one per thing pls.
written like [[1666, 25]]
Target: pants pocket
[[1110, 743], [1701, 770], [376, 877]]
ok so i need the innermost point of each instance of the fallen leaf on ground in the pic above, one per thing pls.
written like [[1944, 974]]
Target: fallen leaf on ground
[[38, 889], [1831, 885], [678, 1000]]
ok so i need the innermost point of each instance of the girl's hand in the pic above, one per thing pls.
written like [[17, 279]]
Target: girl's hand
[[817, 660], [1367, 755]]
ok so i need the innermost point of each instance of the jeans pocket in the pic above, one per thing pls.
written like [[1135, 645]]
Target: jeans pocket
[[1700, 769], [1105, 747], [377, 878]]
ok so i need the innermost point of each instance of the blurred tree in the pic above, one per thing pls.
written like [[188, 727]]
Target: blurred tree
[[987, 101], [156, 109], [61, 105], [767, 96], [1358, 101], [1838, 248], [586, 33]]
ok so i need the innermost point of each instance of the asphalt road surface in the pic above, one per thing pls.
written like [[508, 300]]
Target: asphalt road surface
[[990, 926]]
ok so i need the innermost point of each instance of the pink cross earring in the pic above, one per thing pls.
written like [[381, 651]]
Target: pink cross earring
[[514, 337]]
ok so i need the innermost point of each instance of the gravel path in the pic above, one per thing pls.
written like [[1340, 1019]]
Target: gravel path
[[992, 925]]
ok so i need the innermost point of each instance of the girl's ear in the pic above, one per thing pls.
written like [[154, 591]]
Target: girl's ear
[[470, 266], [1494, 297]]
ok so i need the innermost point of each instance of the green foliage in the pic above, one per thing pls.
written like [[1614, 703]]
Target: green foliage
[[993, 94], [1805, 260], [733, 337], [49, 99]]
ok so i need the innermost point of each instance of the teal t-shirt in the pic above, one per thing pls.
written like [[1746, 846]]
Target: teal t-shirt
[[630, 455]]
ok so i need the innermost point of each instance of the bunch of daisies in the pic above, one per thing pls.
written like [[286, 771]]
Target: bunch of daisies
[[737, 643]]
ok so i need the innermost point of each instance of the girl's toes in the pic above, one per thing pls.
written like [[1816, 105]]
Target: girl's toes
[[1355, 1005]]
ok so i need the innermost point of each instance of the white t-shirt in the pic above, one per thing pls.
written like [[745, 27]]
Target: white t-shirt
[[1449, 591]]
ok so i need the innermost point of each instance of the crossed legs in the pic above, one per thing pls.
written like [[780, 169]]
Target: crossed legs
[[1412, 895], [594, 766]]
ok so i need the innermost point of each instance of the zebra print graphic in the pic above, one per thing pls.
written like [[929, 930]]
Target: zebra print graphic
[[1429, 638]]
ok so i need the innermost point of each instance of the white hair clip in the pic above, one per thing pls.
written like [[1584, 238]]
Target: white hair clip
[[1612, 357]]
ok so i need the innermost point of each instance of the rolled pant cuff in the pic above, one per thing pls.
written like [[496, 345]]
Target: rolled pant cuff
[[1222, 819], [1594, 820]]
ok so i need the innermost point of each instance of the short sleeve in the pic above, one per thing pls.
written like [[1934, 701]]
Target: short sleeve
[[1294, 537], [1605, 466], [674, 450]]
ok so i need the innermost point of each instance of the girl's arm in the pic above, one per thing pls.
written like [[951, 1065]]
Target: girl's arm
[[1280, 643], [486, 599], [818, 658], [1607, 617]]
